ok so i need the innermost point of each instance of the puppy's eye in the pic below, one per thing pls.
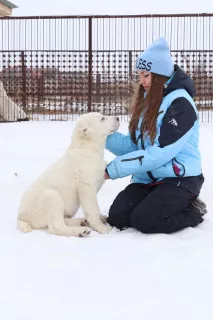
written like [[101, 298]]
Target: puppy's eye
[[102, 119]]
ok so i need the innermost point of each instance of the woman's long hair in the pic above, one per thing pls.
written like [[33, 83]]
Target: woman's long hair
[[148, 106]]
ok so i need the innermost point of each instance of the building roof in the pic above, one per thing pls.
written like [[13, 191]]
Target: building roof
[[8, 4]]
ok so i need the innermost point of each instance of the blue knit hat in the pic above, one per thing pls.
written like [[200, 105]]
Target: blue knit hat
[[156, 58]]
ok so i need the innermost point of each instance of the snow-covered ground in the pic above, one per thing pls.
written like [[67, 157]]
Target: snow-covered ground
[[121, 276]]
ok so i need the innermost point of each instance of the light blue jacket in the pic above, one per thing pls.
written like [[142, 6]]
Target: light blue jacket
[[175, 150]]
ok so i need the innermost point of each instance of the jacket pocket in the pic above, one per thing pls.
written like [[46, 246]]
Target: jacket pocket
[[176, 168], [132, 159]]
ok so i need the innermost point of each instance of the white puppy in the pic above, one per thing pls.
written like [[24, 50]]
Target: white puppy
[[74, 180]]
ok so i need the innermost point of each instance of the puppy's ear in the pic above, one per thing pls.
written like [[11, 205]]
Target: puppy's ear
[[84, 132]]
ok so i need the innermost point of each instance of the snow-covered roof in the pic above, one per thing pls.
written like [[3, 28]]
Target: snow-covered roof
[[8, 4]]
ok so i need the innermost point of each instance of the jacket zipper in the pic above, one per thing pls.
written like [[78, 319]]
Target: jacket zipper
[[136, 158], [149, 173]]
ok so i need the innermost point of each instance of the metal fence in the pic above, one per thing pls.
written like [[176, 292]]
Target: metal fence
[[56, 67]]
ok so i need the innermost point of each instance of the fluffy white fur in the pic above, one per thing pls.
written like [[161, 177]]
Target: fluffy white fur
[[9, 110], [74, 180]]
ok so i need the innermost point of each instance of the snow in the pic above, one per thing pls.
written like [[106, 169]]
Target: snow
[[121, 276]]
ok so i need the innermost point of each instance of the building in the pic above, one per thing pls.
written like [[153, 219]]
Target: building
[[6, 8]]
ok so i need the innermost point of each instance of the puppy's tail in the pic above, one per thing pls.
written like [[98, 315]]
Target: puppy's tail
[[24, 226]]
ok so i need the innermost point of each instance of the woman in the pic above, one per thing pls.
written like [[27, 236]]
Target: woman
[[160, 152]]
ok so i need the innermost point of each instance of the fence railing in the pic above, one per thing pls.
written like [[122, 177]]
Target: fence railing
[[54, 67]]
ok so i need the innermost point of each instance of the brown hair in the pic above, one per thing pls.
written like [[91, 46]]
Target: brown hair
[[147, 106]]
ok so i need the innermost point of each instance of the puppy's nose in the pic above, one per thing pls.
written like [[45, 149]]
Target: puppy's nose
[[117, 118]]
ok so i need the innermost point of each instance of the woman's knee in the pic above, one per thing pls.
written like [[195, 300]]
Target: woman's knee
[[124, 204], [143, 221], [119, 219]]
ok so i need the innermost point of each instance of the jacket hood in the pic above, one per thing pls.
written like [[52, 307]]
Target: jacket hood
[[180, 80]]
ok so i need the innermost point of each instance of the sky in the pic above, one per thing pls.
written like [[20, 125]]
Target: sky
[[109, 7]]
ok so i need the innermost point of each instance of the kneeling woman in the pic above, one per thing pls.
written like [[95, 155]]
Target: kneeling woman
[[160, 152]]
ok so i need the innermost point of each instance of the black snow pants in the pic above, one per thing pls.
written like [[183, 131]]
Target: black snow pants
[[162, 208]]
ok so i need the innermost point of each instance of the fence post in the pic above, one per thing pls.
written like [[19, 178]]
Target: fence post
[[24, 100], [130, 64], [90, 66]]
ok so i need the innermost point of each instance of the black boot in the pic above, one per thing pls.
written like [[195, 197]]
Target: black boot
[[200, 206]]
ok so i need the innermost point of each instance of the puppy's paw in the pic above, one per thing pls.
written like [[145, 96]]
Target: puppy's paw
[[85, 232], [84, 223], [102, 229], [103, 218]]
